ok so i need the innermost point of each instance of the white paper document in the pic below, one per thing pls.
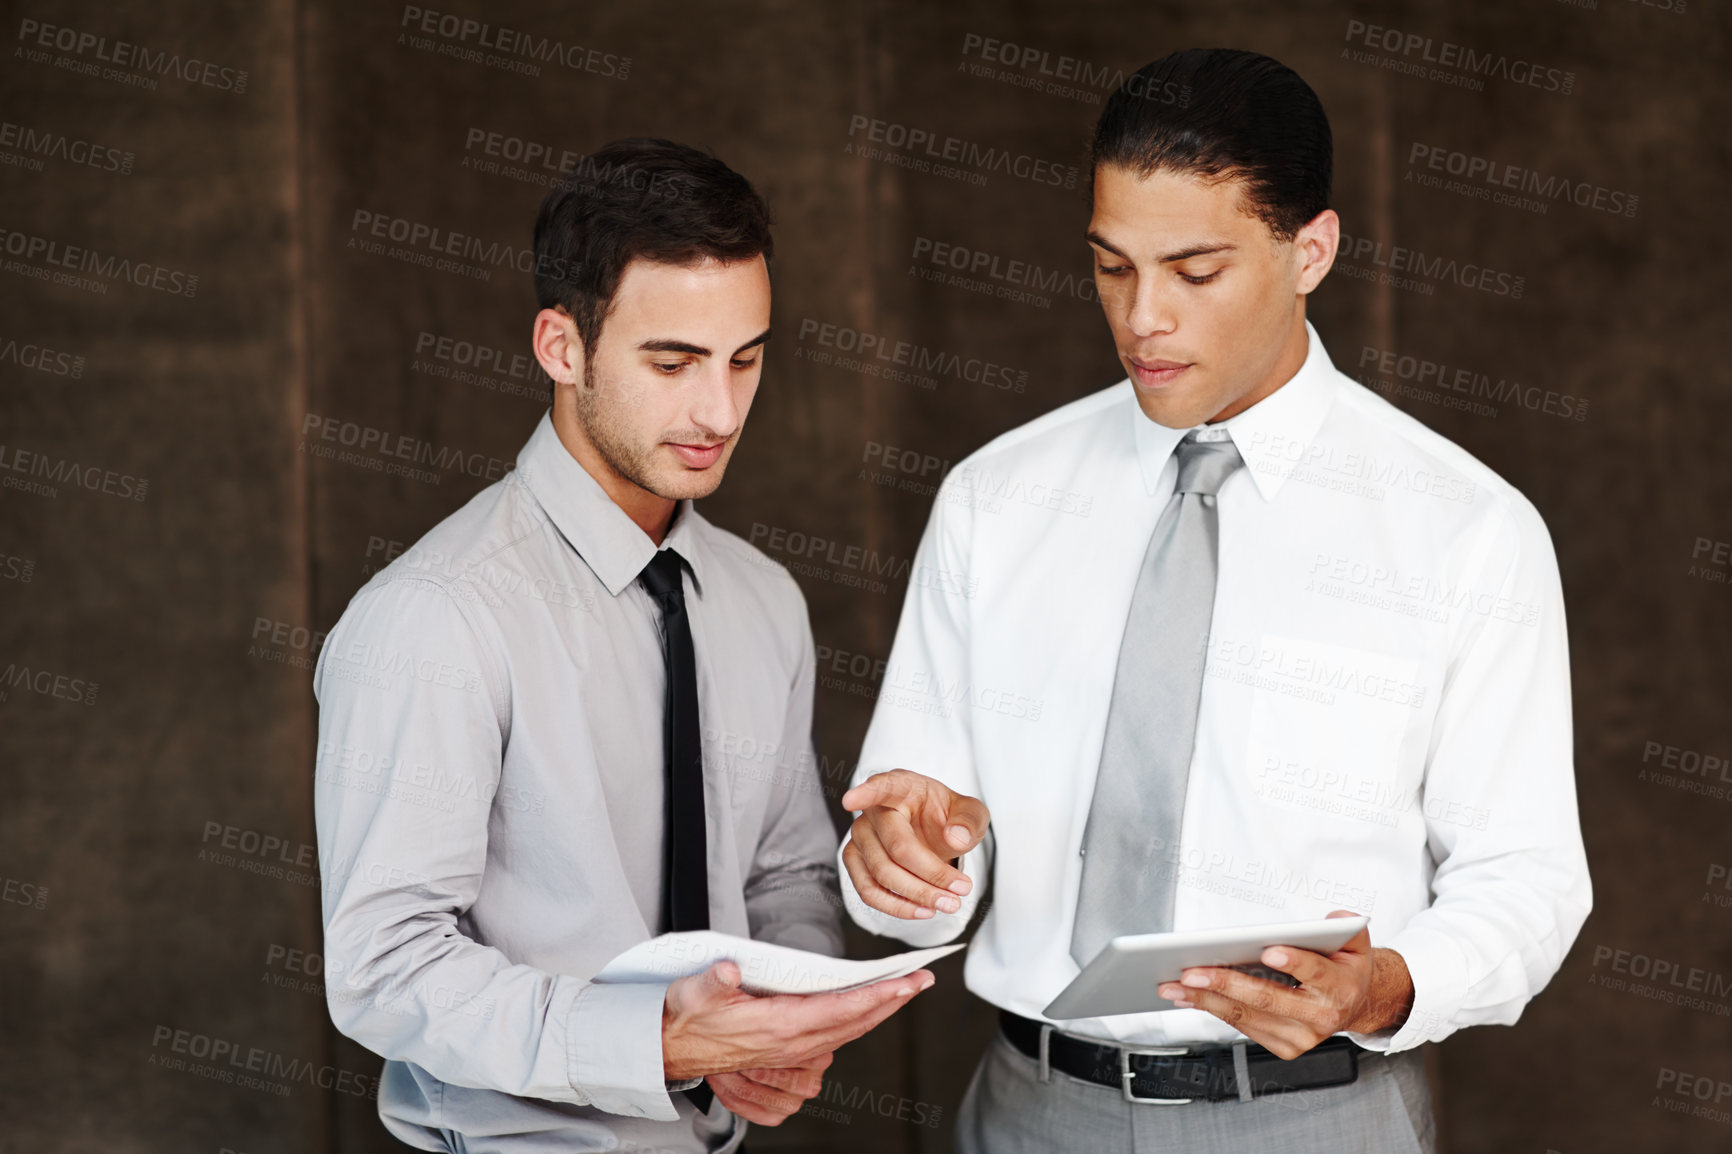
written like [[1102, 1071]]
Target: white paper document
[[765, 968]]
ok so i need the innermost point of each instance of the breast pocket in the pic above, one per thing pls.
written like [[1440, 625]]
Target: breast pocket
[[1329, 727]]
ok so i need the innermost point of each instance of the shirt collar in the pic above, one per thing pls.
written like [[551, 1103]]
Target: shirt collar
[[608, 540], [1263, 433]]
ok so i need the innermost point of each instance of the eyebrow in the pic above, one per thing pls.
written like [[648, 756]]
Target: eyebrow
[[669, 345], [1100, 241]]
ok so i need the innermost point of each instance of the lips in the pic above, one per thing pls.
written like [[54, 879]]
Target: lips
[[1157, 374], [698, 456]]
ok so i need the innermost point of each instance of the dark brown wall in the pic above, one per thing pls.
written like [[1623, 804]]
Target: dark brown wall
[[178, 712]]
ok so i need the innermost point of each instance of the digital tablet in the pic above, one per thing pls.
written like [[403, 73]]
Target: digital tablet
[[1122, 978]]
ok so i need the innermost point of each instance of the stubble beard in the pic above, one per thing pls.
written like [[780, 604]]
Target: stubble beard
[[612, 439]]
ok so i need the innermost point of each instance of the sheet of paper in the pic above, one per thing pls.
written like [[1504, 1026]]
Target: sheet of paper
[[765, 968]]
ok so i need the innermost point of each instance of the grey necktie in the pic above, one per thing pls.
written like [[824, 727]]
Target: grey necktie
[[1130, 844]]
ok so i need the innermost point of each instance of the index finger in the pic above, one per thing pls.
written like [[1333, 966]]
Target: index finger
[[886, 787]]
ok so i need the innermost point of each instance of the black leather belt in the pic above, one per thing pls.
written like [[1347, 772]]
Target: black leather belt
[[1175, 1074]]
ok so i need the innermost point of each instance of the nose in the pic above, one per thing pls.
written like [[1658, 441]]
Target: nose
[[1151, 308], [713, 405]]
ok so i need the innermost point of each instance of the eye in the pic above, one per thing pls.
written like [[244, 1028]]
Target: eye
[[745, 364], [1112, 269], [1200, 279], [670, 370]]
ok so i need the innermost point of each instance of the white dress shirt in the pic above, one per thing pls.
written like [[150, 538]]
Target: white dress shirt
[[1385, 714], [489, 803]]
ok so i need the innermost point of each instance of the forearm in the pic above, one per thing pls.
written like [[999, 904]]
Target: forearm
[[798, 904], [1510, 888], [463, 1011], [791, 893], [1482, 950]]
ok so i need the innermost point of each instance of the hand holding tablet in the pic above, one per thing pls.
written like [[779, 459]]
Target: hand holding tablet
[[1124, 976]]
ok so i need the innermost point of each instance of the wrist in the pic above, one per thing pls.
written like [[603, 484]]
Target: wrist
[[1390, 998], [673, 1049]]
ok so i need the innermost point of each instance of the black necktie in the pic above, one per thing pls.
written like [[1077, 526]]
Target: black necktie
[[685, 872]]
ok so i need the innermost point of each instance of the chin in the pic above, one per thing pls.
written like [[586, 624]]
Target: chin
[[688, 485], [1174, 412]]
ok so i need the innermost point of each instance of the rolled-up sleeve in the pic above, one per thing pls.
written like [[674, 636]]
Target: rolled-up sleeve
[[1511, 887], [408, 683]]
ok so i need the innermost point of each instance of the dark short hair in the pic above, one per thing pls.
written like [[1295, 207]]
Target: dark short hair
[[1223, 114], [640, 197]]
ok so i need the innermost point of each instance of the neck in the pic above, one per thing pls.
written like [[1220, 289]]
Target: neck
[[647, 511]]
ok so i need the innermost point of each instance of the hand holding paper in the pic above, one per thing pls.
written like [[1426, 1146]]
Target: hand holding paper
[[765, 968], [758, 1008]]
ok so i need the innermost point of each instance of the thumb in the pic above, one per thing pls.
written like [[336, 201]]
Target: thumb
[[716, 986], [723, 977], [1359, 943], [963, 820]]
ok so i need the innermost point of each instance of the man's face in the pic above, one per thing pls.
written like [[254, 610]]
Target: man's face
[[1204, 303], [666, 388]]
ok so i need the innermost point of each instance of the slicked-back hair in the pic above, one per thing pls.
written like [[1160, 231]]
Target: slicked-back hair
[[1222, 114], [640, 197]]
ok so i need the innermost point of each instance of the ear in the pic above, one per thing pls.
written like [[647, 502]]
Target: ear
[[557, 345], [1314, 248]]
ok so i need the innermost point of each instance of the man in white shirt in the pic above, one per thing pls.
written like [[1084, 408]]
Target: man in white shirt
[[529, 727], [1378, 719]]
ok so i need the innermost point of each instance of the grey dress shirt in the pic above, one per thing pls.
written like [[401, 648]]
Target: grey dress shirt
[[489, 802]]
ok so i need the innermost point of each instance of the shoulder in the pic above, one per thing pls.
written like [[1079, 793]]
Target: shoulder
[[1056, 436], [1401, 439], [454, 554], [442, 573], [430, 610]]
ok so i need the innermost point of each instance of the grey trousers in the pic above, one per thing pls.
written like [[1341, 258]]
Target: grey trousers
[[1008, 1110]]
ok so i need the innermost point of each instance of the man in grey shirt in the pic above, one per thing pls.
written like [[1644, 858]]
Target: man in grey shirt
[[500, 719]]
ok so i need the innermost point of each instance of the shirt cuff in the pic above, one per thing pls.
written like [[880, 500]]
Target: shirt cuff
[[614, 1044], [937, 930], [1438, 969]]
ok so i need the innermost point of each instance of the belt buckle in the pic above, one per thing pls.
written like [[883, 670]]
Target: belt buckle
[[1127, 1075]]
